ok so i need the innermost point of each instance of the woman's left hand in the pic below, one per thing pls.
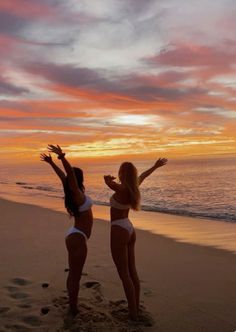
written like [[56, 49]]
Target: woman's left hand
[[55, 149], [160, 162]]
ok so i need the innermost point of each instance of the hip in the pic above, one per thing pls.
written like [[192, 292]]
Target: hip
[[124, 223]]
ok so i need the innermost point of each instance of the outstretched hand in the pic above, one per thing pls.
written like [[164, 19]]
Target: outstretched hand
[[109, 177], [160, 162], [55, 149], [47, 158]]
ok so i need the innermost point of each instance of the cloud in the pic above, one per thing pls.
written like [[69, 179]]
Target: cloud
[[99, 67], [141, 88], [27, 9], [194, 56], [222, 112], [10, 24], [7, 88]]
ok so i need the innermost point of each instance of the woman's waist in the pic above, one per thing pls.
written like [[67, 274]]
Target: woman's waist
[[84, 216], [119, 214], [84, 225]]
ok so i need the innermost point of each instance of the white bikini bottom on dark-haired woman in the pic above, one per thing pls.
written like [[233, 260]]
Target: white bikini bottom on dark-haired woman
[[124, 223], [73, 230]]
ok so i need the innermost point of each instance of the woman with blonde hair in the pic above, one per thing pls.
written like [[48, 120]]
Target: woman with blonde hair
[[123, 236]]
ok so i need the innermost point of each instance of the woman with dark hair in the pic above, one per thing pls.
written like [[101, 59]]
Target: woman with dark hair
[[78, 206], [123, 237]]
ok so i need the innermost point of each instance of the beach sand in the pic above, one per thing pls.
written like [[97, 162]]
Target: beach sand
[[184, 287]]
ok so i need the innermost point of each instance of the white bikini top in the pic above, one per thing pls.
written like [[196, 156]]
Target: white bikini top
[[86, 205], [117, 205]]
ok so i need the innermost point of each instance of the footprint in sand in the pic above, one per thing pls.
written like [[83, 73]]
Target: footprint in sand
[[19, 295], [61, 302], [11, 289], [148, 292], [118, 302], [32, 320], [92, 284], [45, 285], [96, 290], [18, 291], [17, 327], [119, 309], [100, 317], [87, 317], [3, 310], [99, 298], [20, 281], [15, 291], [84, 307], [25, 306], [45, 310]]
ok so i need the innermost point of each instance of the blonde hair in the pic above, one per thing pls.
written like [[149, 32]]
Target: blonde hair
[[129, 178]]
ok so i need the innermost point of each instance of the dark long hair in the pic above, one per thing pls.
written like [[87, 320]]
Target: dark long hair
[[70, 205]]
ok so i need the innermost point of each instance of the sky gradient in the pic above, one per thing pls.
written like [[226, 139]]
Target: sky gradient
[[111, 78]]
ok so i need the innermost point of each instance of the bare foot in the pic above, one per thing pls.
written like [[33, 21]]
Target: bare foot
[[133, 316], [73, 311]]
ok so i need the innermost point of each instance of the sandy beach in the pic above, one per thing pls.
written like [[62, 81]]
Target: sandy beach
[[185, 287]]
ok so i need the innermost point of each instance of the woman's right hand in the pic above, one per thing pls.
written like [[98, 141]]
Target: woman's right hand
[[47, 158], [109, 177], [55, 149], [160, 162]]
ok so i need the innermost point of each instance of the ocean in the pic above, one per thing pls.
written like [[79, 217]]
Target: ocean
[[204, 188]]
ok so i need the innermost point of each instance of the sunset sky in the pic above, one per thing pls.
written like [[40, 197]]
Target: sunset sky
[[118, 77]]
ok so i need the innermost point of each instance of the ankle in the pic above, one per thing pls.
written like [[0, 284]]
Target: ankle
[[133, 315], [73, 310]]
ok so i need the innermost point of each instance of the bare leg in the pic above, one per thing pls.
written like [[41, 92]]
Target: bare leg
[[132, 268], [77, 253], [119, 250]]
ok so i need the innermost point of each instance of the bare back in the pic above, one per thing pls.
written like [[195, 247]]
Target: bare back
[[122, 197]]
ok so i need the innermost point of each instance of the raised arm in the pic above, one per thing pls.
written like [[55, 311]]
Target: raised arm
[[159, 163], [78, 195], [58, 171], [109, 180]]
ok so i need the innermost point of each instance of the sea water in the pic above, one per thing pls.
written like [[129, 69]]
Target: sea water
[[203, 188]]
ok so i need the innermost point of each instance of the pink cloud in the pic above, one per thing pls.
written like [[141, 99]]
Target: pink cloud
[[25, 8], [6, 45], [194, 56]]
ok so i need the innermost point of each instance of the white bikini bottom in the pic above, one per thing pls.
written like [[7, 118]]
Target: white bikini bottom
[[124, 223], [73, 230]]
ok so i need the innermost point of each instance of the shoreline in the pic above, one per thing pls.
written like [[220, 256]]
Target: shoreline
[[185, 214], [184, 287], [192, 230]]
